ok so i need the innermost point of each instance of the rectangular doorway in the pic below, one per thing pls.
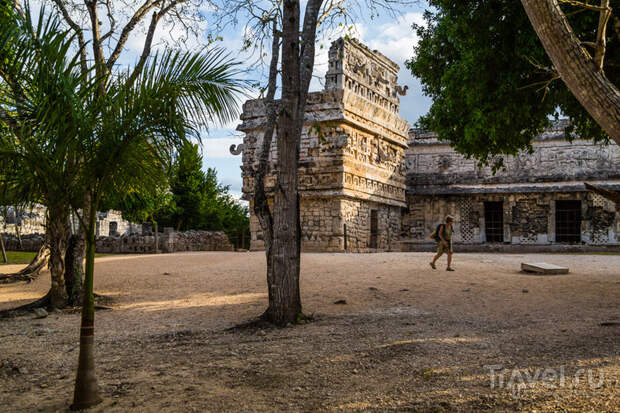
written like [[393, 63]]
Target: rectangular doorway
[[374, 228], [568, 221], [494, 221]]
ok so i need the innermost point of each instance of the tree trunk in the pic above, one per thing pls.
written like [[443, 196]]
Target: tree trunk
[[19, 237], [261, 204], [284, 296], [74, 266], [56, 227], [156, 233], [4, 258], [576, 67], [86, 389]]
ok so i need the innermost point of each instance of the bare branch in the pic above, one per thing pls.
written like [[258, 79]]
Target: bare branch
[[583, 5], [133, 22], [78, 31], [100, 67], [601, 33], [146, 51], [112, 22]]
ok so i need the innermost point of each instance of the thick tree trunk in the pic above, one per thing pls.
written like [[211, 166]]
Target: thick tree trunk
[[56, 228], [576, 67], [284, 296], [86, 392], [74, 266]]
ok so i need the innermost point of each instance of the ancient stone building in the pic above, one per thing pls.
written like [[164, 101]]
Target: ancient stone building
[[369, 183], [539, 199], [351, 171]]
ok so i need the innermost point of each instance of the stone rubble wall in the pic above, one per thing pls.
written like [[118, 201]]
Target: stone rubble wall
[[433, 167], [138, 243], [529, 218], [168, 242], [30, 242]]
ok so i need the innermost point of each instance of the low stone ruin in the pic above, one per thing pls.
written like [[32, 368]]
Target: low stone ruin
[[169, 241]]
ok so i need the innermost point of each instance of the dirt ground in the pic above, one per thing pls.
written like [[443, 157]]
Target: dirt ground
[[407, 339]]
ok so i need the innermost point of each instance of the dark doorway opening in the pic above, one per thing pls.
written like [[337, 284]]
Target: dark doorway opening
[[494, 221], [568, 221], [374, 228]]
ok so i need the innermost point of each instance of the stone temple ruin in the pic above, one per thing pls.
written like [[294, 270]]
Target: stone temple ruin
[[368, 182]]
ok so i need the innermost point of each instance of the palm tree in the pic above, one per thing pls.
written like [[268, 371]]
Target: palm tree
[[103, 135]]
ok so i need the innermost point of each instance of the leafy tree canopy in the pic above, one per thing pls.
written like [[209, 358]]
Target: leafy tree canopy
[[186, 198], [493, 87]]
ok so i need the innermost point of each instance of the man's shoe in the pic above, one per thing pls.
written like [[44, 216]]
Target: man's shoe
[[449, 269], [432, 265]]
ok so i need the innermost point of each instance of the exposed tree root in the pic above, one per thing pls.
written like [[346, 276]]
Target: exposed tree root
[[32, 271], [42, 302], [102, 302]]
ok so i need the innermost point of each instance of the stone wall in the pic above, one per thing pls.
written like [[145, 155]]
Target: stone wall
[[137, 244], [528, 218], [168, 242], [30, 242], [555, 164]]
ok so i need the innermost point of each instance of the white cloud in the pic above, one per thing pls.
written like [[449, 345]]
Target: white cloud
[[396, 39], [219, 147]]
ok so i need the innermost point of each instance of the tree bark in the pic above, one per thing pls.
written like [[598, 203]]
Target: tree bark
[[284, 296], [4, 258], [57, 217], [74, 266], [576, 67], [156, 234], [261, 205], [86, 392]]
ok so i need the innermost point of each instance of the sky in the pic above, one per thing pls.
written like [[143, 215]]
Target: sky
[[391, 36]]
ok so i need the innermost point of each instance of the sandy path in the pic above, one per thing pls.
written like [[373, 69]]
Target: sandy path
[[408, 337]]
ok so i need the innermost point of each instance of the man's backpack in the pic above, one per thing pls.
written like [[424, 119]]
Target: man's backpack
[[435, 234]]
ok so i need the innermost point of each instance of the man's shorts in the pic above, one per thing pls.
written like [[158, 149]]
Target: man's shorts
[[442, 248]]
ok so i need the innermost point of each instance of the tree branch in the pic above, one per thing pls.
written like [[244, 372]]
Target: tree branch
[[261, 206], [100, 66], [78, 31], [131, 24]]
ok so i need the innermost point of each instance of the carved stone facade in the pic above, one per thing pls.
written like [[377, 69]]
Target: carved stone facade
[[539, 197], [369, 183], [351, 169]]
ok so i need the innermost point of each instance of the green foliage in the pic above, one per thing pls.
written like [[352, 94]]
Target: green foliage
[[187, 198], [198, 201], [488, 75]]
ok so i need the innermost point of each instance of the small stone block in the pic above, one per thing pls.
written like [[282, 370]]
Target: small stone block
[[543, 268]]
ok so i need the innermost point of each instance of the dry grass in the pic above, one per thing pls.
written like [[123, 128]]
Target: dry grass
[[408, 339]]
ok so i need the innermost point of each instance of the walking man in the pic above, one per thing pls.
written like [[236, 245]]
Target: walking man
[[444, 237]]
